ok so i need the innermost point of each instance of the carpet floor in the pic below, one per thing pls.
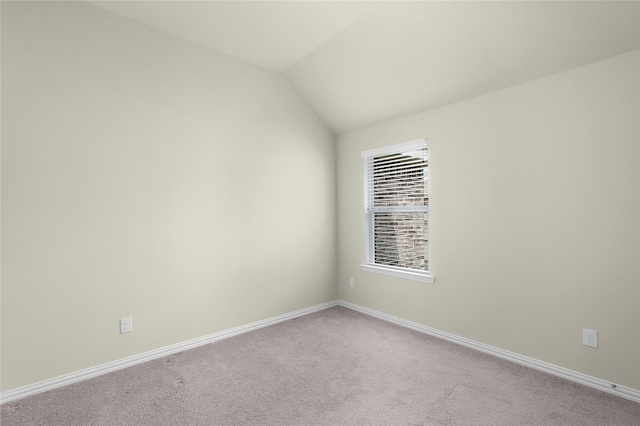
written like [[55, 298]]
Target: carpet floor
[[333, 367]]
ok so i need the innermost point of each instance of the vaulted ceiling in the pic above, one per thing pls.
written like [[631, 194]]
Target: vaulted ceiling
[[358, 63]]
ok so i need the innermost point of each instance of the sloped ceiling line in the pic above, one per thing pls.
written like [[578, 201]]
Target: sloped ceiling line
[[357, 63]]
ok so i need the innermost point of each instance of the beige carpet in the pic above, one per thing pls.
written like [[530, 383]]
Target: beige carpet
[[335, 367]]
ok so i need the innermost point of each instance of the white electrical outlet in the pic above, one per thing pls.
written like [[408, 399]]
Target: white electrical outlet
[[590, 338], [126, 325], [352, 282]]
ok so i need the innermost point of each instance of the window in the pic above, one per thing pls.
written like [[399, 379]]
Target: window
[[397, 210]]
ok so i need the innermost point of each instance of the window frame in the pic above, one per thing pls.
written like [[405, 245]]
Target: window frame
[[369, 265]]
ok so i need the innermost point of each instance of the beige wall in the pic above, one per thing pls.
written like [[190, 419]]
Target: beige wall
[[145, 176], [534, 219]]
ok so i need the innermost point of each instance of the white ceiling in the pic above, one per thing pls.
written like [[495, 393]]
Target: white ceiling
[[360, 62]]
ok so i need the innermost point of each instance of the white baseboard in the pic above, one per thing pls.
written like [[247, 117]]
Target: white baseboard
[[99, 370], [67, 379], [574, 376]]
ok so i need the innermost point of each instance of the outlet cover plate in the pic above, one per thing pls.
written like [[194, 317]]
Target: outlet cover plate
[[590, 338], [126, 325]]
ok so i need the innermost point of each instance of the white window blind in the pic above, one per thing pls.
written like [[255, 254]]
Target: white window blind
[[397, 206]]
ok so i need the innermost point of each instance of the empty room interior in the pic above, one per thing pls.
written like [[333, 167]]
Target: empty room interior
[[202, 169]]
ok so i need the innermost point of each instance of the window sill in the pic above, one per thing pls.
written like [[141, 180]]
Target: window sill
[[399, 273]]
